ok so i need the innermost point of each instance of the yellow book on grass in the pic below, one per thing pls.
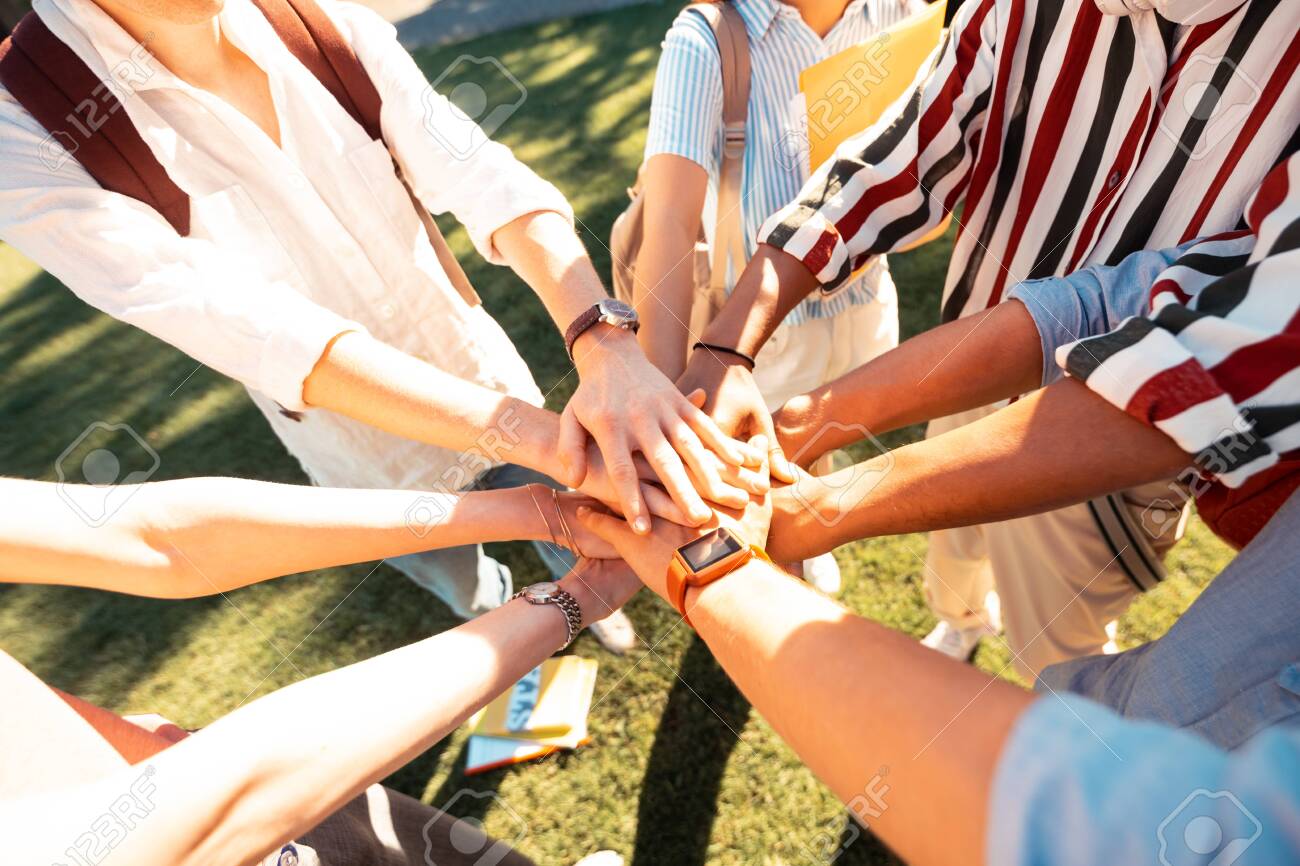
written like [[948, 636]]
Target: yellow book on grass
[[551, 701], [850, 91], [543, 713]]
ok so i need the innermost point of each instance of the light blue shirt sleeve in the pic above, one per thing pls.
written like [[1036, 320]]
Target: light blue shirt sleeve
[[1077, 786], [686, 107], [1090, 302]]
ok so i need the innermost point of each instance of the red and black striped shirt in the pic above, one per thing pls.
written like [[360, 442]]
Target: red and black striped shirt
[[1074, 138], [1215, 364]]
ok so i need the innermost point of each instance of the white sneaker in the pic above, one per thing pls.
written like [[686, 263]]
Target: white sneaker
[[823, 572], [601, 858], [615, 634], [957, 643]]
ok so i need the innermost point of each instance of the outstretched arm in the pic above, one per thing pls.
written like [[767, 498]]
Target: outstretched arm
[[863, 706], [962, 365], [275, 768], [1060, 445], [201, 536]]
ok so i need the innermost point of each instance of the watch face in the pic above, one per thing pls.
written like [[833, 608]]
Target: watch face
[[541, 591], [710, 549], [617, 313]]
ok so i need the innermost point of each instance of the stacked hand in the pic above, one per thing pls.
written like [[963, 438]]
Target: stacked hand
[[645, 432]]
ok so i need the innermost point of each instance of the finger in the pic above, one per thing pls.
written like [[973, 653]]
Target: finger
[[704, 466], [610, 529], [697, 398], [777, 464], [572, 448], [755, 481], [733, 452], [623, 478], [660, 504], [672, 475]]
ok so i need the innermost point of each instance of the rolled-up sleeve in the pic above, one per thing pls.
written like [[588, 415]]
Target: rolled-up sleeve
[[1215, 360], [1089, 302], [1077, 785], [123, 258], [451, 162], [867, 199]]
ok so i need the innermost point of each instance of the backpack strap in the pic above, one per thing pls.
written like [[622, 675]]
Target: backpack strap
[[729, 232], [311, 36], [84, 116]]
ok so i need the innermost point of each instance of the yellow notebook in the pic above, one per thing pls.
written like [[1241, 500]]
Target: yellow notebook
[[550, 701], [544, 712], [849, 92]]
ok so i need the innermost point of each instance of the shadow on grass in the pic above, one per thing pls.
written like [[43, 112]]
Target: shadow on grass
[[702, 719]]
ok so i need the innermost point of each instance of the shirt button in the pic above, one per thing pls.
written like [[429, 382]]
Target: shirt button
[[1113, 180], [387, 311]]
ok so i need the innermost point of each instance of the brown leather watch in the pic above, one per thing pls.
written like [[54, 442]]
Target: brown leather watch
[[607, 310]]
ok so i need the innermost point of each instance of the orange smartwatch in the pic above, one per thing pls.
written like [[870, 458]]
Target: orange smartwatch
[[706, 559]]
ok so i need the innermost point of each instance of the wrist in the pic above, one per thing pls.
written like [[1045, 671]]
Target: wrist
[[596, 344]]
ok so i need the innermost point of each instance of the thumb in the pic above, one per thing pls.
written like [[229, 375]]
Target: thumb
[[697, 398], [777, 464], [609, 528], [572, 448]]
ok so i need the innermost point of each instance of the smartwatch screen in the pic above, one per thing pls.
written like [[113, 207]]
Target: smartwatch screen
[[710, 549]]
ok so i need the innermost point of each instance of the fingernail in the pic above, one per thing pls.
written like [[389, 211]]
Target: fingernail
[[584, 510], [641, 525]]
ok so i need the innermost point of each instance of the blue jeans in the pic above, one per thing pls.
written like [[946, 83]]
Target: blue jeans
[[468, 580]]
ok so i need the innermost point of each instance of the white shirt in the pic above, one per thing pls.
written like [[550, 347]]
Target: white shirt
[[290, 246]]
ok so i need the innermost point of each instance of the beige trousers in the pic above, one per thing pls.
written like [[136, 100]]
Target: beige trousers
[[800, 358], [1059, 579]]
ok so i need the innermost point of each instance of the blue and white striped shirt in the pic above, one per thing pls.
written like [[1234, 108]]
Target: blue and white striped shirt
[[686, 114]]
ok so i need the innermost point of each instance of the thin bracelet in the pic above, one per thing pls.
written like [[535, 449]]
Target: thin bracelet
[[749, 362], [542, 514], [564, 524]]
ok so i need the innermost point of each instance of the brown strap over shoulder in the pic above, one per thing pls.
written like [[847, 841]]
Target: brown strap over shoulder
[[311, 36], [729, 234], [84, 117]]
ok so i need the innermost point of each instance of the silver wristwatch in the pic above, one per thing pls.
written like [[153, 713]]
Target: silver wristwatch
[[551, 593]]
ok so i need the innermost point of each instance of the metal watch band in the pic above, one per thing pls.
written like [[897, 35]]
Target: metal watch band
[[568, 606]]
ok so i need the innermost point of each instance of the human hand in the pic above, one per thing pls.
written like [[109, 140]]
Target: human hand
[[601, 586], [650, 555], [796, 423], [627, 406], [578, 539], [734, 403]]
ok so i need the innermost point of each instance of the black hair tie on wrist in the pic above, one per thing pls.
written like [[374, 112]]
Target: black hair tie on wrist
[[749, 362]]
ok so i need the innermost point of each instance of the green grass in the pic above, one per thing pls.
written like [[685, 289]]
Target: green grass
[[677, 774]]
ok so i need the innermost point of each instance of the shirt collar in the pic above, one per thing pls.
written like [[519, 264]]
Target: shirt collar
[[758, 15], [115, 55], [1177, 11]]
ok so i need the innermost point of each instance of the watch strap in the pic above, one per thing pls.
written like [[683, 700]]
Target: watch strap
[[679, 578], [581, 325], [567, 604]]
